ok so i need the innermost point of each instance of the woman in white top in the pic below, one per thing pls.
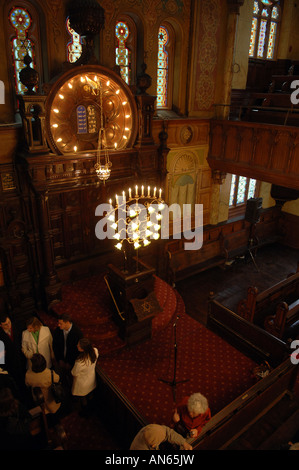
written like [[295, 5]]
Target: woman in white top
[[37, 339], [83, 372]]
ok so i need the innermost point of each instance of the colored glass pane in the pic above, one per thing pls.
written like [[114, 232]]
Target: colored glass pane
[[241, 190], [21, 44], [275, 13], [251, 189], [122, 55], [232, 190], [261, 41], [162, 67], [256, 8], [74, 46], [265, 12], [253, 37], [271, 41]]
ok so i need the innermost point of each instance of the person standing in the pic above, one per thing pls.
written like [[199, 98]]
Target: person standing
[[14, 360], [37, 338], [41, 376], [65, 340], [83, 372]]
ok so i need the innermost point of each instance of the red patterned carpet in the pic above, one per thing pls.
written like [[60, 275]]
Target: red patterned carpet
[[208, 363]]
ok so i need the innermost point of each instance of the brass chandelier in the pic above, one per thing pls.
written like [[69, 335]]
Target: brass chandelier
[[103, 163]]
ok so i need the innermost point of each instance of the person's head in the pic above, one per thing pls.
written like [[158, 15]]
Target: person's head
[[86, 349], [38, 363], [197, 404], [8, 403], [153, 435], [294, 446], [33, 324], [5, 322], [65, 322]]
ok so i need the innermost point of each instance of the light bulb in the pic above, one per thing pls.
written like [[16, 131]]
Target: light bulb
[[119, 246]]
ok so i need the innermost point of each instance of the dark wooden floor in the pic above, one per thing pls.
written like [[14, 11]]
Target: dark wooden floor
[[271, 264]]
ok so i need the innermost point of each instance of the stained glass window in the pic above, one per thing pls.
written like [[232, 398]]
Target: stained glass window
[[263, 38], [162, 68], [21, 21], [241, 189], [122, 53], [74, 46]]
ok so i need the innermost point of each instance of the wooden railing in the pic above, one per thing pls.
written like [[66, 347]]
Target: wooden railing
[[226, 425], [262, 151]]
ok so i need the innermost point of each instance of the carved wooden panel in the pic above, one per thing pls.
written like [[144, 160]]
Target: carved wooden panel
[[265, 152]]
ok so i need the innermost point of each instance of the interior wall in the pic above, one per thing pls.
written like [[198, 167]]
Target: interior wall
[[242, 41]]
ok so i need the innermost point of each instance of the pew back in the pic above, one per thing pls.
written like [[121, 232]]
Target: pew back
[[257, 306]]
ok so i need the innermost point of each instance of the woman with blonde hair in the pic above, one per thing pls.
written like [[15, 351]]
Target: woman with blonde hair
[[37, 339]]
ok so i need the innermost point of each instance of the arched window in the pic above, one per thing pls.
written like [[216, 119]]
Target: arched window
[[74, 46], [264, 29], [126, 48], [122, 53], [164, 67], [24, 34], [241, 190], [21, 43]]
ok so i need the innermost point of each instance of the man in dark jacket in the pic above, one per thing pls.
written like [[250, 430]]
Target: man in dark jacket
[[10, 337], [65, 340]]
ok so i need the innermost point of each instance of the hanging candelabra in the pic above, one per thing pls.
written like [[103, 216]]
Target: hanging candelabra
[[103, 163], [136, 218]]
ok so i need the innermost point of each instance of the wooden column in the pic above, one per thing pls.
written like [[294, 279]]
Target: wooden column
[[49, 278]]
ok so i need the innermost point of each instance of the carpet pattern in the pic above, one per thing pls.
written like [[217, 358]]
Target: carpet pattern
[[207, 363]]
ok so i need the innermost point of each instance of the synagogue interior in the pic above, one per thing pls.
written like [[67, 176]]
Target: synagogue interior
[[149, 198]]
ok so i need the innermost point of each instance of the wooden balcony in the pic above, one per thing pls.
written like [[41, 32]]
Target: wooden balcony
[[266, 152]]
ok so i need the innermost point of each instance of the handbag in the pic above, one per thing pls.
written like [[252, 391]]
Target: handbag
[[57, 390]]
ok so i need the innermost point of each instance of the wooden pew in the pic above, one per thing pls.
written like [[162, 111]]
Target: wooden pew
[[282, 83], [236, 244], [285, 316], [257, 305], [275, 108], [185, 263]]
